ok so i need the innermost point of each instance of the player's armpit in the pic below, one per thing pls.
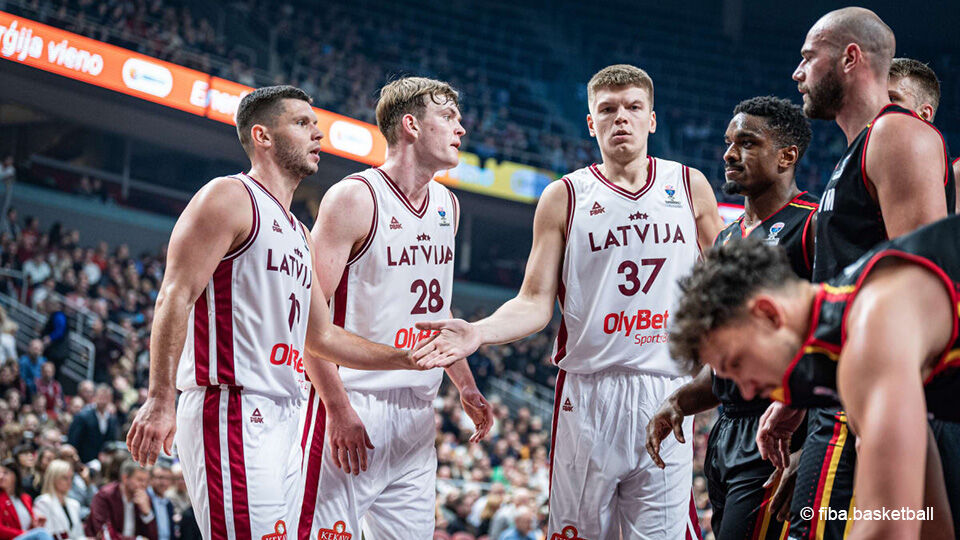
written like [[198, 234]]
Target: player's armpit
[[705, 209], [344, 220], [906, 166]]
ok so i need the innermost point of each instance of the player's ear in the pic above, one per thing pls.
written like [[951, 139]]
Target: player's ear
[[766, 309], [788, 156], [926, 112], [259, 134], [653, 122], [409, 126], [590, 126]]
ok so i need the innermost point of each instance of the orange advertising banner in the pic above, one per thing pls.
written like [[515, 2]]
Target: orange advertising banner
[[81, 58]]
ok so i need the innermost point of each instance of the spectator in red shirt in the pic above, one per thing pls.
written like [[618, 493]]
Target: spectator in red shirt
[[48, 386]]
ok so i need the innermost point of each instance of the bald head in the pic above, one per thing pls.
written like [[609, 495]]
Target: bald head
[[860, 26]]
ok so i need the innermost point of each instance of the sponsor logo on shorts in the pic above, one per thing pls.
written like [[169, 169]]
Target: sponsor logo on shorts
[[256, 417], [567, 406], [279, 532], [597, 209], [338, 532], [569, 533]]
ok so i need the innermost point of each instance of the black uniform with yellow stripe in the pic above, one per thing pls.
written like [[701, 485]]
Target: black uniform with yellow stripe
[[811, 379], [734, 469]]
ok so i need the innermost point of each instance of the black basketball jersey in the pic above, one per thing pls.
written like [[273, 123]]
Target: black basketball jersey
[[787, 227], [849, 222], [811, 379]]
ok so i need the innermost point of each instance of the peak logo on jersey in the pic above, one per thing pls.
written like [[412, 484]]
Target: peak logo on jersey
[[443, 217], [394, 224], [256, 417], [279, 532], [774, 231], [423, 237], [569, 533], [276, 227], [567, 406], [597, 209], [638, 215], [662, 233], [671, 199], [338, 532]]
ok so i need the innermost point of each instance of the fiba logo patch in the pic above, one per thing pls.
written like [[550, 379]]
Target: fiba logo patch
[[279, 532], [443, 217], [338, 532], [774, 231], [569, 533], [671, 199]]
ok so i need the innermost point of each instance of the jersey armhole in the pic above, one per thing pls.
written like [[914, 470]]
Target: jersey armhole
[[803, 241], [373, 223], [571, 207], [254, 227], [456, 211], [693, 211]]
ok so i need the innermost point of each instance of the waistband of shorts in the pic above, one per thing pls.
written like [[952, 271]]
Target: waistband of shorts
[[732, 409], [397, 396], [280, 400]]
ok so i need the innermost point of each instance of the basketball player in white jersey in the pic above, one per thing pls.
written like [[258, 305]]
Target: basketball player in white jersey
[[385, 244], [238, 300], [609, 242]]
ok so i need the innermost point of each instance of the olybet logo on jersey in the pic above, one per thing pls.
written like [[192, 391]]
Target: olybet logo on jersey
[[338, 532]]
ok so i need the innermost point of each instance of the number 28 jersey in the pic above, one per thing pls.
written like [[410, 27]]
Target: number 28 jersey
[[624, 252], [403, 274]]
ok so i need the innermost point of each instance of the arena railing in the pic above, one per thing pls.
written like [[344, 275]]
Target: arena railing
[[518, 391]]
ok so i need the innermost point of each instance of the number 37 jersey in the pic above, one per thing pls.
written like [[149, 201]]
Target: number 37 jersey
[[403, 274], [624, 253]]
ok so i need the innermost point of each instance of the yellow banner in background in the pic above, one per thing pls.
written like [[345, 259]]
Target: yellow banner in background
[[503, 179]]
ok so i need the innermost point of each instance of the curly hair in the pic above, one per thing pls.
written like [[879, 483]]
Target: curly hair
[[716, 291], [790, 127]]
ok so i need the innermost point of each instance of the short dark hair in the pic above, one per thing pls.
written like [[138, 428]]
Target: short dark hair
[[717, 289], [259, 107], [14, 467], [921, 74], [789, 125]]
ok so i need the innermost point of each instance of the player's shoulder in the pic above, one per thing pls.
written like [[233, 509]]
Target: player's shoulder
[[807, 199], [902, 127], [352, 191], [226, 193]]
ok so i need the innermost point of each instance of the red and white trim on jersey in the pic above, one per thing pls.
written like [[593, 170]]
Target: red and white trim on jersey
[[693, 210], [561, 288], [693, 524], [254, 227], [456, 212], [314, 431], [632, 195], [224, 464], [557, 397], [373, 223], [290, 219], [419, 212]]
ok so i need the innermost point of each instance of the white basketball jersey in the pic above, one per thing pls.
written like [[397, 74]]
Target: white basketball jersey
[[247, 328], [624, 253], [402, 274]]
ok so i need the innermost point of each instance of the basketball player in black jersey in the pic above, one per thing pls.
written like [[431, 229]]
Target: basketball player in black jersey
[[881, 337], [765, 140], [915, 86]]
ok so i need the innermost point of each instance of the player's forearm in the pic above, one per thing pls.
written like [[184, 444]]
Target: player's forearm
[[167, 335], [461, 376], [336, 345], [697, 395], [516, 319], [326, 380]]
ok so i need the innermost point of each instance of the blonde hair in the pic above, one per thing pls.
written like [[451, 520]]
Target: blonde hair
[[618, 76], [406, 96], [55, 469]]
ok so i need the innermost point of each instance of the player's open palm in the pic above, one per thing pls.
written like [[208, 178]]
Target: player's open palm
[[667, 418], [152, 429], [774, 431], [457, 339], [348, 439], [479, 410]]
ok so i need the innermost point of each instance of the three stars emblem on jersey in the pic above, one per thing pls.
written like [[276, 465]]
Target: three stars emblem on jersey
[[279, 532], [338, 532], [394, 224], [597, 209], [569, 533], [567, 406], [276, 227], [256, 418], [638, 215], [671, 199], [424, 237], [443, 217]]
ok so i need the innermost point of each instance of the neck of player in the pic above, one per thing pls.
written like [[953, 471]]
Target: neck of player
[[278, 181], [631, 175], [411, 175], [760, 206], [860, 107]]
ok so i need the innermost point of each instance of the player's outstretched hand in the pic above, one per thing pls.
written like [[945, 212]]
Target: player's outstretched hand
[[456, 339], [152, 429], [477, 408], [348, 439], [774, 431], [667, 418], [785, 480]]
